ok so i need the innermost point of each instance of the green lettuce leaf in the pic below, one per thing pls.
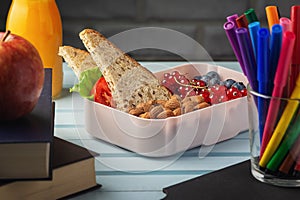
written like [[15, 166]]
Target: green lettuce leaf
[[87, 80]]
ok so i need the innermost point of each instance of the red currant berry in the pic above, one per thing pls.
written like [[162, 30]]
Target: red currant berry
[[193, 81], [197, 91], [182, 80], [205, 94], [175, 74], [198, 83], [166, 75]]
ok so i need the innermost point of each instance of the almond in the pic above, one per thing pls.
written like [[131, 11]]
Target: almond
[[144, 106], [177, 111], [177, 97], [201, 105], [136, 111], [145, 115], [186, 99], [155, 111], [188, 106], [197, 99], [161, 102], [165, 114], [172, 104]]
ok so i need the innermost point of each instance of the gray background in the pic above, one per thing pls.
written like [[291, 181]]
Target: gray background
[[200, 19]]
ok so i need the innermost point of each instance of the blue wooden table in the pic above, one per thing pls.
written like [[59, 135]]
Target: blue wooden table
[[127, 175]]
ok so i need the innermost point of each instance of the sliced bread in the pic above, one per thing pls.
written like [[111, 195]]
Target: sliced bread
[[79, 60], [129, 82]]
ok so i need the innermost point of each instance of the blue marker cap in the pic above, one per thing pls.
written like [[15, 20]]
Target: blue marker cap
[[263, 55], [253, 29], [275, 48]]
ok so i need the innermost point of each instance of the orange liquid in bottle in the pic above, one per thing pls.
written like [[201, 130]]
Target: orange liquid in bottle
[[39, 22]]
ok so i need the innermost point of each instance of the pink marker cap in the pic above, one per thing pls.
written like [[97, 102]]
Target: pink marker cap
[[286, 24]]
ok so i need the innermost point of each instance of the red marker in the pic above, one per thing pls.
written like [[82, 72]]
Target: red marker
[[242, 21], [280, 80], [295, 67]]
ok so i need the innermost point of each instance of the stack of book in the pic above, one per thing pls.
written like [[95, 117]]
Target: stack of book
[[37, 165]]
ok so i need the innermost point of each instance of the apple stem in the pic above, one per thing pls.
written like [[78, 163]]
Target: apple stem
[[6, 34]]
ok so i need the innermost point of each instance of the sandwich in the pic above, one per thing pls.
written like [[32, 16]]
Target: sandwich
[[128, 82]]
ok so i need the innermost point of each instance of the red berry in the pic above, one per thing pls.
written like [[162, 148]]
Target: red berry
[[233, 93], [193, 81], [166, 75], [223, 98], [198, 83], [205, 94], [182, 80], [218, 94], [214, 99], [175, 74], [178, 84], [244, 92]]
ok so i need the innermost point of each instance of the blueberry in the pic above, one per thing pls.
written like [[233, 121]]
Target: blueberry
[[221, 83], [206, 79], [197, 77], [214, 81], [213, 74], [229, 82], [239, 85]]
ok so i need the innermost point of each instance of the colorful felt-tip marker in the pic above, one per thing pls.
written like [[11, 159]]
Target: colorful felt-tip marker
[[251, 15], [263, 69], [242, 21], [286, 24], [297, 167], [253, 29], [232, 18], [272, 16], [291, 107], [248, 56], [230, 28], [295, 67], [275, 48], [288, 162], [280, 80], [290, 138]]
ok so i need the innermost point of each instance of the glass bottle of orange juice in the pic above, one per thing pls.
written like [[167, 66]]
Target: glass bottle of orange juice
[[39, 22]]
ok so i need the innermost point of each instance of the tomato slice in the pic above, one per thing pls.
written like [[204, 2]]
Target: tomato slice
[[101, 92]]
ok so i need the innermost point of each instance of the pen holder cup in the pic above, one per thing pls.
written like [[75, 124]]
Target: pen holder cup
[[274, 130]]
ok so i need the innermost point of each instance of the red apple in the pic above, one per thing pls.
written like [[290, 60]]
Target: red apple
[[21, 76]]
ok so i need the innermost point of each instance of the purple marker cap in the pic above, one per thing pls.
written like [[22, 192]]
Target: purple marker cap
[[232, 18], [229, 28], [248, 56]]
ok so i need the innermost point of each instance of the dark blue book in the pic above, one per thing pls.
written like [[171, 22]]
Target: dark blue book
[[25, 143]]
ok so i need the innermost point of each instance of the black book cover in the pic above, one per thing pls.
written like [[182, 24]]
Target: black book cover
[[65, 153], [68, 179], [28, 138], [234, 182]]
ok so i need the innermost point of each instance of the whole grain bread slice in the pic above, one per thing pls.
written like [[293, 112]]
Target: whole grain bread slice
[[79, 60], [129, 82]]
